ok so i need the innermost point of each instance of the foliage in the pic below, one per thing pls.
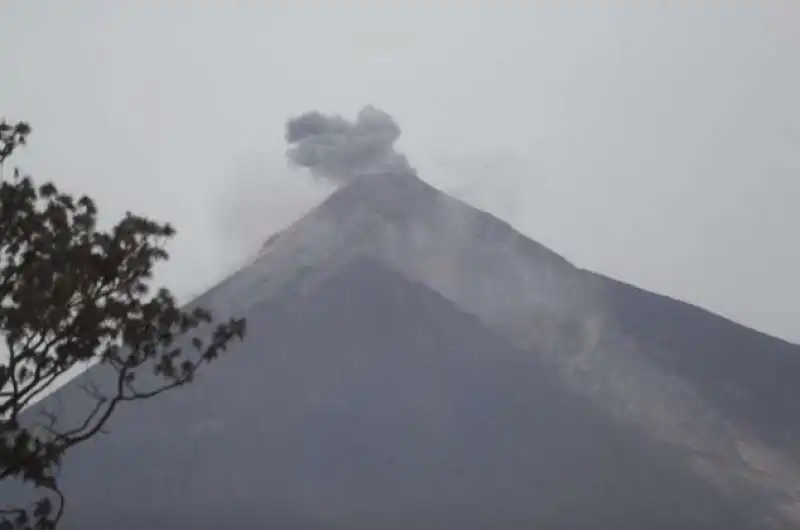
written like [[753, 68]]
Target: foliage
[[71, 295]]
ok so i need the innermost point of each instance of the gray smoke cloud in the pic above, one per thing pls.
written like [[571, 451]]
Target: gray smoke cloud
[[340, 150]]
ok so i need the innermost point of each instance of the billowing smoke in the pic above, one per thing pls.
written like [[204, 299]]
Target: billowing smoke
[[339, 150]]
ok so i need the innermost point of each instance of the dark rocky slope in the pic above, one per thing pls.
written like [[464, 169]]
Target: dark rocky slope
[[372, 402]]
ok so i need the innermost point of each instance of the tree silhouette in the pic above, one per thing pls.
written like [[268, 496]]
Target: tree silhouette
[[72, 295]]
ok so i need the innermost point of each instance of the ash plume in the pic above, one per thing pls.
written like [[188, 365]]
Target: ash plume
[[339, 150]]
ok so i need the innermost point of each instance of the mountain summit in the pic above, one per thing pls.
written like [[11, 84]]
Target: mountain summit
[[414, 362]]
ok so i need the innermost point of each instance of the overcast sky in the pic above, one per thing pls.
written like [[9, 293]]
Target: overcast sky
[[656, 142]]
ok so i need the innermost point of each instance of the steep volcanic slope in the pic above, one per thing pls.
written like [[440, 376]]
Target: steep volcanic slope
[[372, 402], [749, 375], [406, 390], [595, 336]]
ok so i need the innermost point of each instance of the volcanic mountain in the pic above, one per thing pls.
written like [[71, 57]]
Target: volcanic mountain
[[413, 362]]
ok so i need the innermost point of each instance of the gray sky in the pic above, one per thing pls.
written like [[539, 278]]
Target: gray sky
[[657, 142]]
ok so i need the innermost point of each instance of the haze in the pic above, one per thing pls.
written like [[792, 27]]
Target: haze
[[656, 143]]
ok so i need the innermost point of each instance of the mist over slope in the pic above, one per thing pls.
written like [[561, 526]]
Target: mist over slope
[[414, 361], [372, 402], [352, 380]]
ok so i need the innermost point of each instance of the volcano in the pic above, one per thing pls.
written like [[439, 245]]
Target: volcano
[[413, 362]]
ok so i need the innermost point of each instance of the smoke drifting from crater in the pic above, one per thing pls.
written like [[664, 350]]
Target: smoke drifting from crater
[[339, 150]]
